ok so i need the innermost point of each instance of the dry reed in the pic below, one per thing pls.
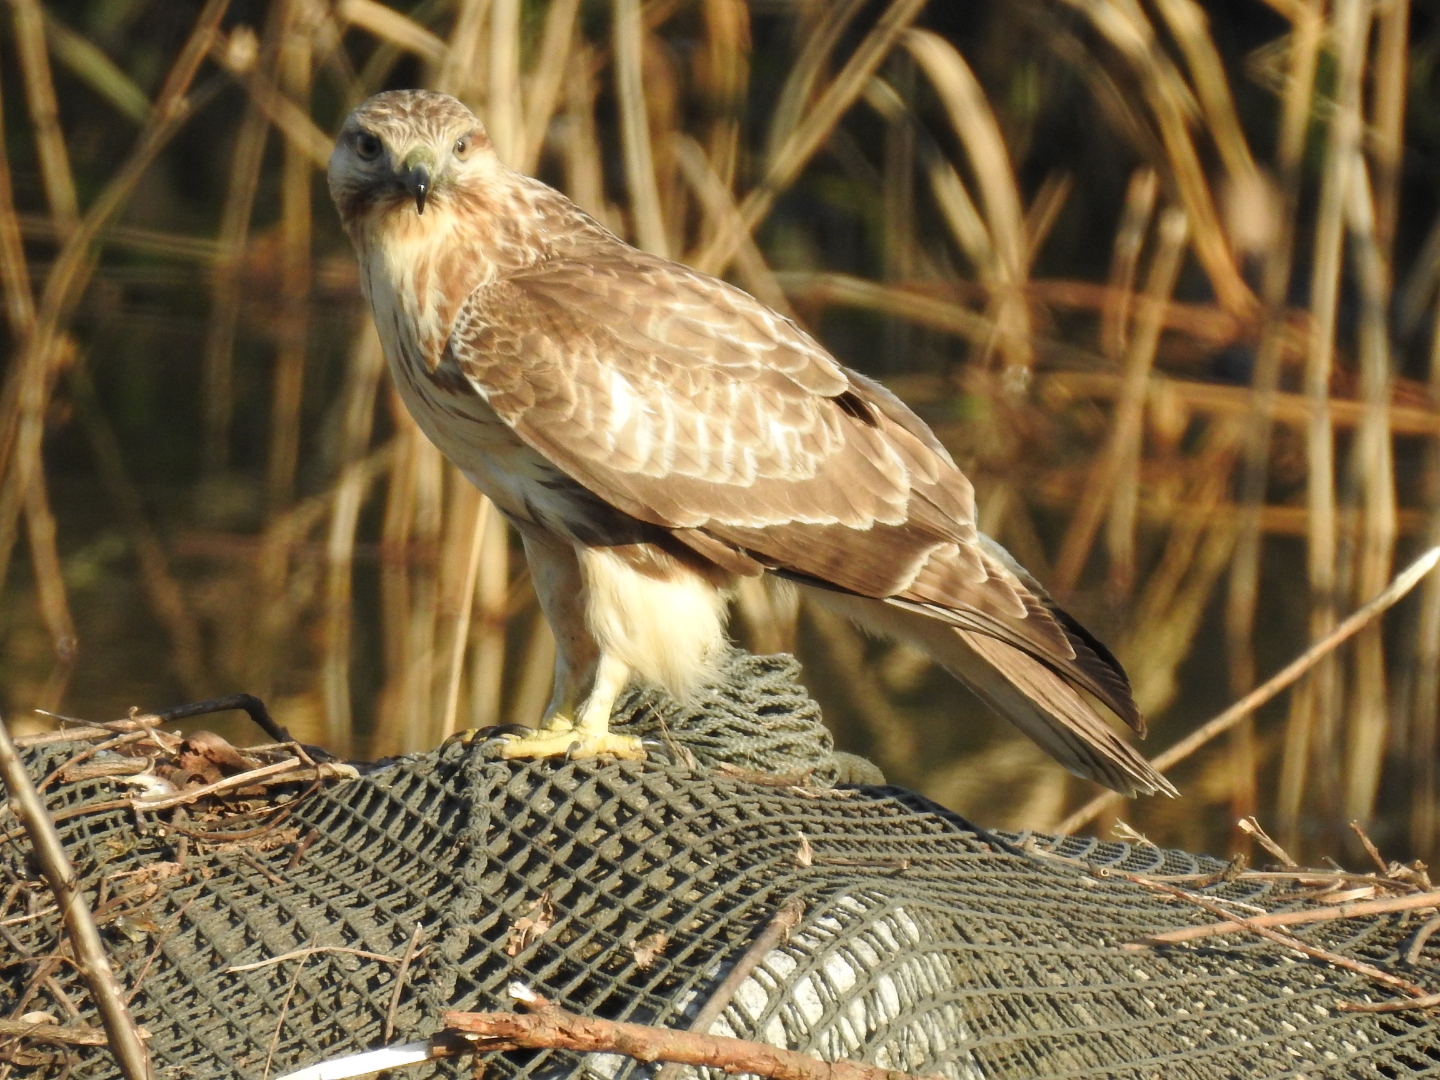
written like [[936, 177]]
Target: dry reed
[[376, 589]]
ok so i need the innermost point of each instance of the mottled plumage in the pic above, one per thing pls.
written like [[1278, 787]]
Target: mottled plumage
[[654, 433]]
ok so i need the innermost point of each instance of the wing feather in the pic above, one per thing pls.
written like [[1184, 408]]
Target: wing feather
[[685, 403]]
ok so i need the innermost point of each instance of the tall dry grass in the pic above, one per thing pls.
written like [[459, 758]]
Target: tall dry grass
[[254, 510]]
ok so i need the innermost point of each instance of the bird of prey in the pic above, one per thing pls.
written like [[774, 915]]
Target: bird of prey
[[656, 434]]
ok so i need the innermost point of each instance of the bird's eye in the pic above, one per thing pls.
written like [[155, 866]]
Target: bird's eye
[[367, 146], [463, 145]]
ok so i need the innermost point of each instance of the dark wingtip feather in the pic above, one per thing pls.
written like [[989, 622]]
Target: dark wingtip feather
[[1100, 663]]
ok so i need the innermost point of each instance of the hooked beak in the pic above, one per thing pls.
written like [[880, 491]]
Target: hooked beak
[[417, 182]]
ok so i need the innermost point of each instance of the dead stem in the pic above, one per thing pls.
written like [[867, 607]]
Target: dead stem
[[649, 222], [1121, 451], [1278, 258], [246, 160], [121, 1031], [1357, 910], [979, 133], [1125, 257], [357, 413], [810, 134], [776, 932], [460, 631], [720, 214], [1420, 939], [1310, 749], [551, 1027], [546, 77], [1403, 583], [400, 975], [1259, 927], [166, 597], [314, 950], [280, 1021], [1261, 837], [1371, 462]]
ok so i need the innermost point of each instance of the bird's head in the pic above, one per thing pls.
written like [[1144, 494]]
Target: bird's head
[[403, 152]]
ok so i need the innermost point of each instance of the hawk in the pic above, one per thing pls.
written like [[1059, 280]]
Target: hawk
[[656, 434]]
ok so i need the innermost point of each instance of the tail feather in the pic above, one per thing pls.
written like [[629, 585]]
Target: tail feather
[[1023, 689], [1049, 710]]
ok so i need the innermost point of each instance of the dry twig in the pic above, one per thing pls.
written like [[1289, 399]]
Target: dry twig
[[285, 1008], [1256, 926], [550, 1027], [313, 950], [94, 965], [1355, 910], [1419, 940], [1406, 580], [1428, 1001], [400, 975], [75, 1035], [1370, 848], [776, 931], [1252, 828]]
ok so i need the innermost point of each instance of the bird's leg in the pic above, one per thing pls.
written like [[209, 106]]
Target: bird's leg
[[580, 729], [587, 681]]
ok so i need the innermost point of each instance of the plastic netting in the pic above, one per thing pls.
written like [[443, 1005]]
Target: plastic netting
[[926, 945]]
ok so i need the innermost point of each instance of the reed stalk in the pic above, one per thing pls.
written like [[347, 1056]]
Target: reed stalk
[[489, 628], [649, 220], [504, 107], [1121, 451], [1310, 740], [1125, 257], [725, 75], [246, 162], [544, 83], [29, 377], [1127, 30], [721, 213], [1074, 405], [362, 382], [584, 178], [28, 20], [1369, 707], [979, 133], [1244, 587], [800, 145], [1424, 718], [394, 28]]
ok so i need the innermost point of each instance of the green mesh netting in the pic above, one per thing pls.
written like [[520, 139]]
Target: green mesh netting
[[926, 945]]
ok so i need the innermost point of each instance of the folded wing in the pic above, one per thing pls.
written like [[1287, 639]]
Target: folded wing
[[687, 404]]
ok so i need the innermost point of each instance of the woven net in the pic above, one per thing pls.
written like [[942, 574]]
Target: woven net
[[926, 944]]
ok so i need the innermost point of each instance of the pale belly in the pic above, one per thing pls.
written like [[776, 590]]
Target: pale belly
[[519, 481]]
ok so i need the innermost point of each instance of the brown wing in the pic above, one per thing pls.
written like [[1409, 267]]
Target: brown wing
[[686, 403]]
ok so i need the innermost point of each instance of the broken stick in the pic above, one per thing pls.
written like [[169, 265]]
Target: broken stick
[[549, 1027], [90, 956]]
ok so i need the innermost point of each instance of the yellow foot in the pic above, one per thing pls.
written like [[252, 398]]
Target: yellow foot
[[577, 743]]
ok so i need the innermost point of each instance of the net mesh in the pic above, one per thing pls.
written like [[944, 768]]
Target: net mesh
[[927, 944]]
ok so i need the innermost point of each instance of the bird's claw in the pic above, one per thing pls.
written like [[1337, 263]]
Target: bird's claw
[[573, 744], [478, 735]]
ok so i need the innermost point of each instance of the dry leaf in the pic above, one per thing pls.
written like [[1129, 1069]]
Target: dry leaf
[[806, 855], [38, 1017], [134, 927], [1126, 831], [205, 758], [648, 949], [530, 927], [1345, 896]]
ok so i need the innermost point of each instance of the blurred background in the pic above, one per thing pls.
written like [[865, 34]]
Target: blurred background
[[1161, 274]]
